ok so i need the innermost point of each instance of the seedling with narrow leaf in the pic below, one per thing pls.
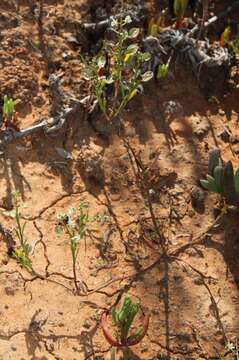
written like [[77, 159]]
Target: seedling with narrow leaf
[[122, 331], [22, 252]]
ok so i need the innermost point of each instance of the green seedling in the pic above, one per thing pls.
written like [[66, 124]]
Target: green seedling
[[22, 252], [122, 320], [162, 71], [222, 179], [9, 108], [74, 225], [115, 74]]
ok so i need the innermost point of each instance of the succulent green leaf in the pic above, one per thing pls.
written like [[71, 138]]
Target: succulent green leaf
[[114, 315], [214, 160], [209, 184], [162, 71], [125, 309], [218, 178], [229, 191]]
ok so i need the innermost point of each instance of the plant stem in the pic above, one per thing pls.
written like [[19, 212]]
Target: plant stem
[[19, 226], [74, 273]]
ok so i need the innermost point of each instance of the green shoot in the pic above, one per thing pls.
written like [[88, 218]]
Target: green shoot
[[9, 108], [124, 318], [162, 71]]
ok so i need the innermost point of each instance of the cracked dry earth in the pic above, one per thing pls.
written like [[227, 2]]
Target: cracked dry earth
[[193, 296]]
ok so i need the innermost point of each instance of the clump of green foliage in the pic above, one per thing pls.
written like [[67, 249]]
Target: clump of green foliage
[[222, 179], [74, 225], [115, 74]]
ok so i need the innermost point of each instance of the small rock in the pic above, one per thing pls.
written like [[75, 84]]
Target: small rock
[[9, 291]]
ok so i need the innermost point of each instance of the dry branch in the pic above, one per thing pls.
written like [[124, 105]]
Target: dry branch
[[48, 125]]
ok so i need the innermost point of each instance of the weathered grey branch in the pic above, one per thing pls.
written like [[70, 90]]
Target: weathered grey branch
[[48, 125]]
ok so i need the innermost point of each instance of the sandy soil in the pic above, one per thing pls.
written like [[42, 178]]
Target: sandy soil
[[192, 297]]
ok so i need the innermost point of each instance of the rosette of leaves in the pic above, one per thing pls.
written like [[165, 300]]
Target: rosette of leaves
[[120, 333], [222, 179], [115, 74]]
